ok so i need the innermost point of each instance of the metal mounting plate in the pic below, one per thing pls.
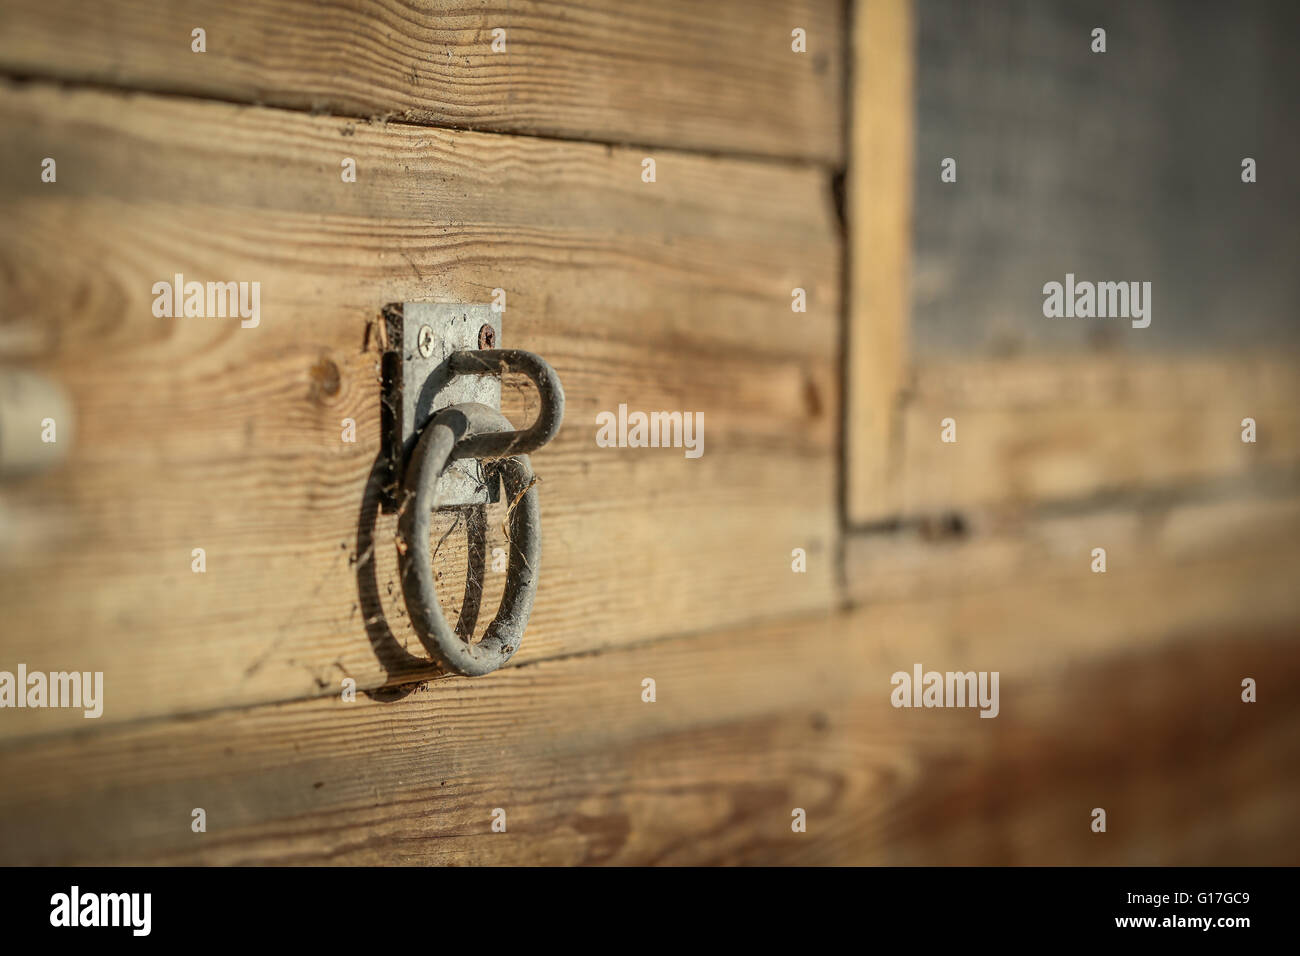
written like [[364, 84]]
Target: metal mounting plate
[[417, 382]]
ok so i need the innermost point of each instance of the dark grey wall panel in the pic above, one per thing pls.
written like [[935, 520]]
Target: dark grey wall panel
[[1117, 166]]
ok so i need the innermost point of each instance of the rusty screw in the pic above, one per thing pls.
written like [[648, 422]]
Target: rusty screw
[[487, 337]]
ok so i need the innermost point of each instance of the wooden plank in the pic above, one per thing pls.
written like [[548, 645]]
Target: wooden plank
[[674, 73], [993, 547], [197, 433], [1162, 742], [879, 252], [747, 726], [1041, 429]]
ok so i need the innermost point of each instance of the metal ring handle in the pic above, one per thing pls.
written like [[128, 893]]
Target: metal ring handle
[[496, 444], [446, 431]]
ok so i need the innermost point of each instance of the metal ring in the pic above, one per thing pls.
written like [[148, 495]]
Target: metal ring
[[432, 454], [550, 414]]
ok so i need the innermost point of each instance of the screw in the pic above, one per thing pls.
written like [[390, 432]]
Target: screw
[[425, 341], [487, 337]]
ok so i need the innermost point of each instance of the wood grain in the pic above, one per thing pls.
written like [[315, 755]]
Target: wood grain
[[194, 432], [1162, 532], [719, 76], [1045, 429], [879, 253], [946, 278], [747, 725]]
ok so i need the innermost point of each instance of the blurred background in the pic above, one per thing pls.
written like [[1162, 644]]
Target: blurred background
[[906, 463]]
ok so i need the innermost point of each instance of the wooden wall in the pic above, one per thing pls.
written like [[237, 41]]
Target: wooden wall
[[521, 171], [1073, 435]]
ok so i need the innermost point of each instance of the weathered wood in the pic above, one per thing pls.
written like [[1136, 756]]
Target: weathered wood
[[879, 252], [1187, 773], [747, 726], [1038, 429], [1161, 533], [1050, 429], [1120, 166], [197, 433], [720, 76]]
